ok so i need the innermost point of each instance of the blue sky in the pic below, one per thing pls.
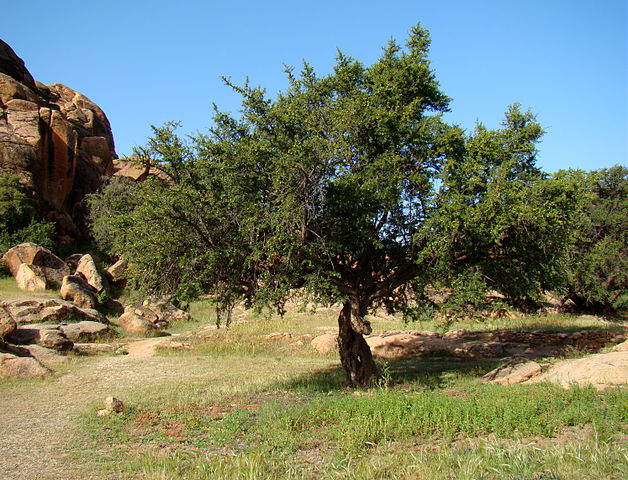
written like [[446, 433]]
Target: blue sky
[[146, 62]]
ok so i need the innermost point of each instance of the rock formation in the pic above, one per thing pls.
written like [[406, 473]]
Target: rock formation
[[57, 141], [43, 265]]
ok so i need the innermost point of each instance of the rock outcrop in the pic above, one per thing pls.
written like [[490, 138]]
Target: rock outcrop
[[57, 141], [47, 310], [47, 336], [7, 323], [14, 366], [601, 371], [462, 344]]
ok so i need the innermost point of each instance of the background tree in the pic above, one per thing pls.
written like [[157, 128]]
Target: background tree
[[187, 229], [597, 266]]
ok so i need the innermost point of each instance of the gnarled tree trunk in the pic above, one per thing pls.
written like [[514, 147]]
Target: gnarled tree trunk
[[355, 354]]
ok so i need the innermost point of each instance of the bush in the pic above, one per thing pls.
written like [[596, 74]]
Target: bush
[[18, 222]]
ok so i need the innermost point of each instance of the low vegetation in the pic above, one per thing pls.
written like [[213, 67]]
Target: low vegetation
[[293, 416]]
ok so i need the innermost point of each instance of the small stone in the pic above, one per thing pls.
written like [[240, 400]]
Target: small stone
[[112, 404]]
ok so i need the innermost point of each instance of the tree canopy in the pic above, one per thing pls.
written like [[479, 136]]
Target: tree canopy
[[349, 187]]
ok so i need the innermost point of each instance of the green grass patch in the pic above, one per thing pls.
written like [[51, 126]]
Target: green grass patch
[[292, 429]]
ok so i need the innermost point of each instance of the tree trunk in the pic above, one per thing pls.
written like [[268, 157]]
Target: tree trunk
[[355, 353]]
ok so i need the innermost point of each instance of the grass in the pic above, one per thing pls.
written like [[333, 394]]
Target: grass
[[292, 416], [10, 291], [458, 430], [256, 401]]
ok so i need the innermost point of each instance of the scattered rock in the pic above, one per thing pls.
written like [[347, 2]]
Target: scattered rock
[[112, 405], [517, 370], [462, 344], [115, 272], [171, 346], [99, 348], [76, 289], [283, 336], [165, 310], [87, 268], [326, 343]]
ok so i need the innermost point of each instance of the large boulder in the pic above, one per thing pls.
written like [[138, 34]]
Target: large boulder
[[13, 366], [163, 311], [57, 141], [116, 271], [88, 269], [326, 343], [47, 336], [134, 322], [76, 289], [30, 278], [50, 266], [85, 331]]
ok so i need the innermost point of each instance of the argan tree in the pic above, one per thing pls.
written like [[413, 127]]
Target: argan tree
[[341, 188]]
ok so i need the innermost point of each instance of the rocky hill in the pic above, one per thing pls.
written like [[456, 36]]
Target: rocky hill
[[57, 141]]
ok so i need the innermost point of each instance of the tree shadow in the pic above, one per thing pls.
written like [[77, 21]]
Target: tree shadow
[[427, 373], [432, 373]]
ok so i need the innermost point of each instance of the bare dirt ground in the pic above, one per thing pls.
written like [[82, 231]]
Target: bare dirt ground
[[38, 419]]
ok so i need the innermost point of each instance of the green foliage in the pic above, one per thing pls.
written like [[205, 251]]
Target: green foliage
[[351, 187], [597, 268], [18, 223], [187, 229], [498, 216]]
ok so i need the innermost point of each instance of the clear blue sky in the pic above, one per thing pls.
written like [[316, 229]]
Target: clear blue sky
[[146, 62]]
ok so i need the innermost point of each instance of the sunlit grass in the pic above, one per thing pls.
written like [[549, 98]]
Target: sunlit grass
[[10, 291]]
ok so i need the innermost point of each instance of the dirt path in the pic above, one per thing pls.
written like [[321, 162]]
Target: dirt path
[[38, 419]]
